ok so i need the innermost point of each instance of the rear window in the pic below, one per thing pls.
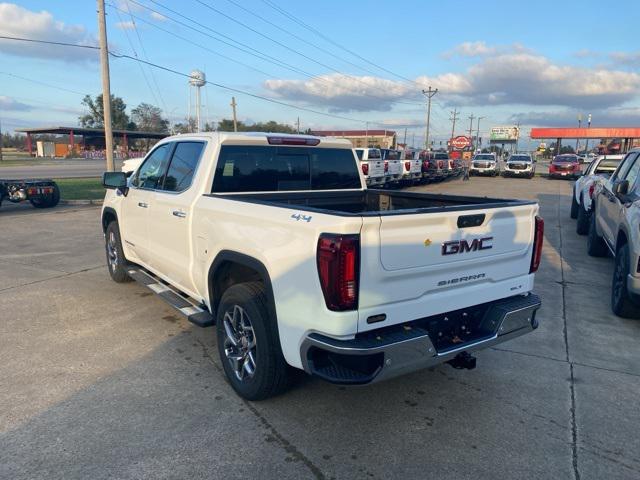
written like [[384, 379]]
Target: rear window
[[483, 157], [441, 156], [374, 153], [520, 158], [608, 164], [566, 158], [272, 169]]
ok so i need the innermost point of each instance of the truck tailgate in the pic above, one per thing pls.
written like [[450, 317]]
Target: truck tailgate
[[420, 264]]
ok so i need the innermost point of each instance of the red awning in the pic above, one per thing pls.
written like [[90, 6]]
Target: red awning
[[594, 132]]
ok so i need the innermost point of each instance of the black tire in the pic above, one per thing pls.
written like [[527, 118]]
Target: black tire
[[116, 261], [582, 225], [574, 204], [595, 243], [271, 373], [50, 202], [621, 302]]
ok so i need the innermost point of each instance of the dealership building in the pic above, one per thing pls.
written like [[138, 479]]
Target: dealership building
[[363, 138]]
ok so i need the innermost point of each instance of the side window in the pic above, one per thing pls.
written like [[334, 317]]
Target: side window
[[182, 167], [359, 154], [624, 167], [153, 168], [632, 173]]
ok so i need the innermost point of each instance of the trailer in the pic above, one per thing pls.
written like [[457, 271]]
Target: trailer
[[40, 193]]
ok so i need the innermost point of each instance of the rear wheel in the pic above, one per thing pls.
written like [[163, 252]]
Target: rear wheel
[[595, 243], [582, 225], [249, 344], [574, 205], [621, 302], [48, 201]]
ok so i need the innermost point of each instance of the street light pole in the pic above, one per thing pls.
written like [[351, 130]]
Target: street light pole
[[579, 126], [586, 145], [106, 87], [478, 133]]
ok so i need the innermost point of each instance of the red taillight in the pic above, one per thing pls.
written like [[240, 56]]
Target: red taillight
[[407, 166], [440, 164], [293, 141], [537, 245], [365, 168], [592, 187], [338, 269], [32, 191], [386, 166], [425, 164]]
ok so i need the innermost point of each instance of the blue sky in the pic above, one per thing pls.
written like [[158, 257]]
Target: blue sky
[[504, 61]]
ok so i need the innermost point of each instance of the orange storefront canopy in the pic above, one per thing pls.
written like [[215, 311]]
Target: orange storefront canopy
[[594, 132]]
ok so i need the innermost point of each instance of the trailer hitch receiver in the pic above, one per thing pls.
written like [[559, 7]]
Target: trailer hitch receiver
[[463, 360]]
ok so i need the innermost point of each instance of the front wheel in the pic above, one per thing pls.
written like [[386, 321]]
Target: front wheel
[[621, 302], [249, 344], [116, 261]]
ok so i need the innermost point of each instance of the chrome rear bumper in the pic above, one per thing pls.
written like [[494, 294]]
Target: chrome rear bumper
[[388, 352]]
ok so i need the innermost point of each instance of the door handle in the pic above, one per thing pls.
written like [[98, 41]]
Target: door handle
[[143, 205], [179, 213]]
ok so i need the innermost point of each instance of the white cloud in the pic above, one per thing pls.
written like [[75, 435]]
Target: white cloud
[[17, 21], [129, 25], [519, 77], [631, 59], [158, 16], [10, 104], [470, 49]]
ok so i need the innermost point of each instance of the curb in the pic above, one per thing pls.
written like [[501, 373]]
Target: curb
[[81, 202]]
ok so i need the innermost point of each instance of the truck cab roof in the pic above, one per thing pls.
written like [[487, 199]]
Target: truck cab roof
[[263, 138]]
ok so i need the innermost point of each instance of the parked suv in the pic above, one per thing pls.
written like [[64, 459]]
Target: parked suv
[[519, 165], [615, 227], [485, 164], [565, 166]]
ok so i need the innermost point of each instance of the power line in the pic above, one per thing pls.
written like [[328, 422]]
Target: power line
[[186, 75], [330, 40], [257, 53], [283, 45], [144, 75], [299, 38], [146, 57], [39, 82]]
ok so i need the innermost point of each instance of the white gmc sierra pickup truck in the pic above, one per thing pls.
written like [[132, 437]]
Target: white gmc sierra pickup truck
[[276, 241]]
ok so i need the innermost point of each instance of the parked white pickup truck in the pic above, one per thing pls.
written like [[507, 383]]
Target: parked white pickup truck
[[276, 240], [372, 166]]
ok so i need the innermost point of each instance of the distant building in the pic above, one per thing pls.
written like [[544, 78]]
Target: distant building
[[363, 138]]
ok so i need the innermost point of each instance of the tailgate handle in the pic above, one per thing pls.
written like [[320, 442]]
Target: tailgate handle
[[466, 221]]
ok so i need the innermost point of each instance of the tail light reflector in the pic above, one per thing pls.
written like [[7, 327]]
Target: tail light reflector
[[338, 258], [365, 168], [407, 166], [386, 166], [538, 238]]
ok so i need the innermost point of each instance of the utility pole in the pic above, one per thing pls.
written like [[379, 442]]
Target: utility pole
[[106, 87], [413, 140], [453, 118], [1, 141], [298, 125], [235, 120], [478, 133], [429, 94], [367, 134], [405, 138], [471, 117]]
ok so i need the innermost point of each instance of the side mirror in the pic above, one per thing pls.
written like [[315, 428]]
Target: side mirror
[[621, 188], [115, 180]]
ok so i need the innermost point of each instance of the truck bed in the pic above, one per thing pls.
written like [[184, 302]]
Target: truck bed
[[374, 202]]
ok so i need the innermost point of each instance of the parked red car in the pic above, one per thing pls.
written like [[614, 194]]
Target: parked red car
[[567, 165]]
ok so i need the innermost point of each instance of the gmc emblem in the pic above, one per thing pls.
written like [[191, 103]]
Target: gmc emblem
[[462, 246]]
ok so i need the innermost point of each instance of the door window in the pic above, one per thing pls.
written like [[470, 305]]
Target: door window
[[153, 168], [624, 167], [631, 174], [182, 167]]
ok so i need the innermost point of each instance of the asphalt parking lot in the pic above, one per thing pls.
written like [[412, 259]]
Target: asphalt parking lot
[[103, 380]]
